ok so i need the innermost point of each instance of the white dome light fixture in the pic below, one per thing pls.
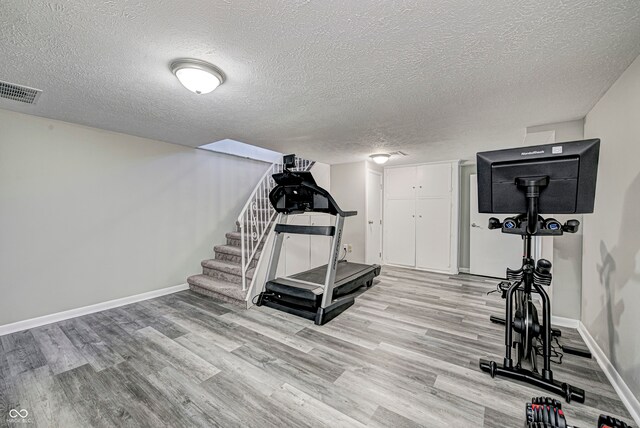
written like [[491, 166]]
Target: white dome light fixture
[[197, 76], [380, 158]]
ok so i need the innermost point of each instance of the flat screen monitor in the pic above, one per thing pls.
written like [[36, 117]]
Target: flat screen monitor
[[570, 167]]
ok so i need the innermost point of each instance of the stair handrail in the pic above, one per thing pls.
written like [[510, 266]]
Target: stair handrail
[[258, 214]]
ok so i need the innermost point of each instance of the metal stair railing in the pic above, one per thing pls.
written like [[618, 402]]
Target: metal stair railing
[[258, 214]]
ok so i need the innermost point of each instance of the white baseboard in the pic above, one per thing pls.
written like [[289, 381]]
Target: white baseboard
[[463, 270], [628, 399], [443, 272], [564, 322], [72, 313]]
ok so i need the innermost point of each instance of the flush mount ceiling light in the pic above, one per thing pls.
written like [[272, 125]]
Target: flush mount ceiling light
[[197, 76], [380, 158]]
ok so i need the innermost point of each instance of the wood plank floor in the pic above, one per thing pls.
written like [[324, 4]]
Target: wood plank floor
[[405, 355]]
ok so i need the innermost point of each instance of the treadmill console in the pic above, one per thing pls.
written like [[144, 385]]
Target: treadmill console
[[297, 192]]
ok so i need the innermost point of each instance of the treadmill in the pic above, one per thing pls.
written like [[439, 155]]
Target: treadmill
[[322, 293]]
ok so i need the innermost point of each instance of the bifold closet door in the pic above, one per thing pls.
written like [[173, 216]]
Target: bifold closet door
[[433, 233], [400, 232]]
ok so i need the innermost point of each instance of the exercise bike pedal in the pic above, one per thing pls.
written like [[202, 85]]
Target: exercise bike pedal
[[580, 352]]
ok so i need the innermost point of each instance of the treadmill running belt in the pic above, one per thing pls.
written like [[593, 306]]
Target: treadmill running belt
[[343, 271]]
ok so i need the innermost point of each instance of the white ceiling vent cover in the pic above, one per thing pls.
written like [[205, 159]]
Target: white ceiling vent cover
[[15, 92]]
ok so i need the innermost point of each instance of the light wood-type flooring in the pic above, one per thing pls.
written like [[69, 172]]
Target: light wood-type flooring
[[405, 355]]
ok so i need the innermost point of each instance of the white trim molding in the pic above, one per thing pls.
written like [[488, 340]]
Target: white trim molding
[[564, 322], [72, 313], [628, 399]]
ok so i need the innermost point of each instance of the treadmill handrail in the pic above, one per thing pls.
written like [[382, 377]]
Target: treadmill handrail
[[297, 229]]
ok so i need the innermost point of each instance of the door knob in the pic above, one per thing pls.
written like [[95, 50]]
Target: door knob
[[370, 221]]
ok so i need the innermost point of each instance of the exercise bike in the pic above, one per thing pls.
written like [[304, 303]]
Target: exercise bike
[[557, 178], [522, 325], [523, 329]]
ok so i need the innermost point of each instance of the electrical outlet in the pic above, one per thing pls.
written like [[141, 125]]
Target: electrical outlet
[[349, 248]]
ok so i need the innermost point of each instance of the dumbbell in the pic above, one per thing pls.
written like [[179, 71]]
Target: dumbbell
[[510, 223], [571, 226], [609, 422], [545, 412], [494, 223], [552, 224]]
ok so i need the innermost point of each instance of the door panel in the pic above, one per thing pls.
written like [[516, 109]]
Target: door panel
[[400, 232], [297, 248], [433, 233], [490, 251], [433, 180], [400, 183], [320, 245]]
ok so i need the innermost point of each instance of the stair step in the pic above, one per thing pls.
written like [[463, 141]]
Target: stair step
[[225, 270], [223, 290], [232, 253], [233, 238], [232, 250]]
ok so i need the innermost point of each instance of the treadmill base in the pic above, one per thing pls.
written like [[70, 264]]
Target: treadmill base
[[320, 316]]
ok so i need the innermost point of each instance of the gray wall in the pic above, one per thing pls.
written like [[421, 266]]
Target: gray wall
[[611, 262], [88, 216]]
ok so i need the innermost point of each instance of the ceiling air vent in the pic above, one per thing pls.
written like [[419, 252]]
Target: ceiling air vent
[[15, 92], [398, 153]]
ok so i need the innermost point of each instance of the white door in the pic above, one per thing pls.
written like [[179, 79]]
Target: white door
[[400, 232], [297, 247], [320, 245], [374, 217], [433, 233], [490, 251]]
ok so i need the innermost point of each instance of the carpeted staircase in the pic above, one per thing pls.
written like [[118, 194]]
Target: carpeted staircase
[[221, 276]]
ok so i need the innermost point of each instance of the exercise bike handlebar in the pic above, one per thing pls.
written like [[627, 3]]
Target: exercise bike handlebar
[[519, 225]]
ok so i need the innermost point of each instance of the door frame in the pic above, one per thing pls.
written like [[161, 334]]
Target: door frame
[[366, 204]]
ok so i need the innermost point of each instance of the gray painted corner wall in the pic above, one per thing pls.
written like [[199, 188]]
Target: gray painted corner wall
[[88, 216], [611, 261], [348, 188]]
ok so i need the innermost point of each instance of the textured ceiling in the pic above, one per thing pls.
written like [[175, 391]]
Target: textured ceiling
[[333, 80]]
